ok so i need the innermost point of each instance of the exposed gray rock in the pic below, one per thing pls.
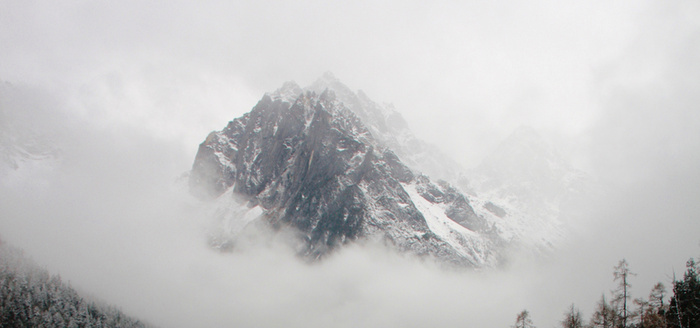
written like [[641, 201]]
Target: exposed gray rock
[[312, 165]]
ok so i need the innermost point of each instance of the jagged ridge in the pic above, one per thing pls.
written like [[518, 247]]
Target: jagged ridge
[[313, 165]]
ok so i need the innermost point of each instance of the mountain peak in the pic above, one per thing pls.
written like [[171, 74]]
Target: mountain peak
[[329, 81], [312, 165], [328, 75], [288, 92], [290, 85]]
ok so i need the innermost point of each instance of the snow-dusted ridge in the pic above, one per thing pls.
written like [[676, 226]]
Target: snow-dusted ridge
[[312, 165], [337, 167]]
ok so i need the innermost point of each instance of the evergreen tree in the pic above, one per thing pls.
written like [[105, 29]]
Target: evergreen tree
[[684, 309], [572, 318], [58, 320], [523, 320], [656, 296], [47, 319], [643, 306], [604, 316], [30, 297], [654, 313]]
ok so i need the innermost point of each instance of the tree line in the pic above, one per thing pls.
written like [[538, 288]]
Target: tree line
[[31, 297], [681, 309]]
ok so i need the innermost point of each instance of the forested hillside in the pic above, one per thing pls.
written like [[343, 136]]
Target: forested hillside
[[31, 297]]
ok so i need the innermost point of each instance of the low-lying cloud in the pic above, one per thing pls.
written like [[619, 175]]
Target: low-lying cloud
[[110, 215]]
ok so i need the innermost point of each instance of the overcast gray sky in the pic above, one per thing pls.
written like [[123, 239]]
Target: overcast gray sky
[[134, 86], [487, 67]]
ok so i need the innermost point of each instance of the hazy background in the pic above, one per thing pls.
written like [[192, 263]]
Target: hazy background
[[127, 90]]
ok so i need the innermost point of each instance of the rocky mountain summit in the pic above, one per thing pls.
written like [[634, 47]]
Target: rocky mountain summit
[[305, 160], [391, 130], [337, 167]]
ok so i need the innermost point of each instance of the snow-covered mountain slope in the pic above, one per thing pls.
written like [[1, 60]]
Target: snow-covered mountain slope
[[391, 130], [25, 146], [532, 187], [31, 297], [524, 187], [312, 165], [522, 195]]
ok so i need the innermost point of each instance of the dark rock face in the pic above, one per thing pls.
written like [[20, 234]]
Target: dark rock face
[[493, 208], [312, 165]]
